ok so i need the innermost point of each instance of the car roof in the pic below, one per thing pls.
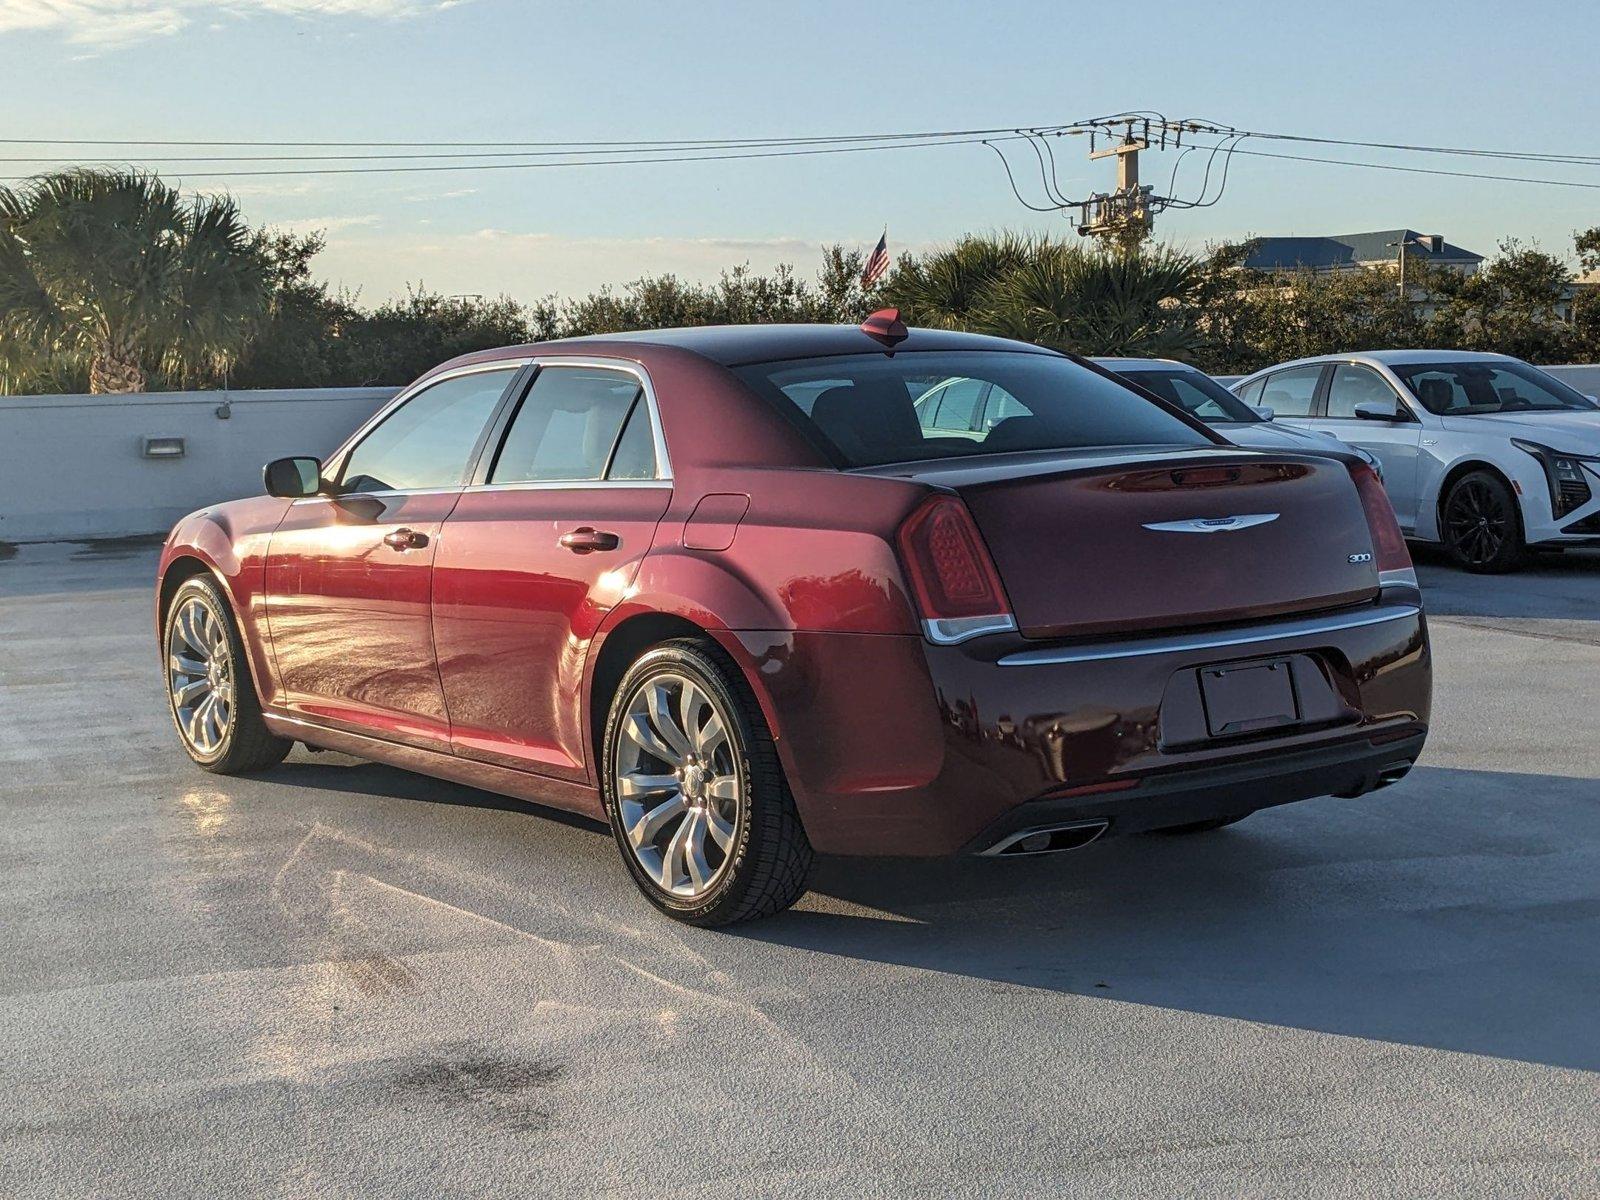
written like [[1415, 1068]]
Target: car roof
[[1391, 358], [1143, 364], [734, 345]]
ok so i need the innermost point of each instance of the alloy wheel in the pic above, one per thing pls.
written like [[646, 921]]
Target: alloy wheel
[[200, 676], [1477, 521], [678, 787]]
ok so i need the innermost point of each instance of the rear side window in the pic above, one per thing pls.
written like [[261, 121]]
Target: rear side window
[[428, 441], [1290, 393], [567, 425], [870, 409]]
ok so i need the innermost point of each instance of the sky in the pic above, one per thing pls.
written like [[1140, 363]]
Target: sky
[[1469, 73]]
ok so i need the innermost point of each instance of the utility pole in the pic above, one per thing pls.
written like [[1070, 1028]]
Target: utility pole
[[1431, 242], [1123, 215]]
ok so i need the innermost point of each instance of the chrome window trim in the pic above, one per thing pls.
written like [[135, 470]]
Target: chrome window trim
[[564, 485], [1214, 640], [658, 439]]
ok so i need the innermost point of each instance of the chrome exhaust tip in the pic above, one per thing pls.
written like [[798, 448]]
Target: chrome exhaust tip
[[1048, 839], [1392, 774]]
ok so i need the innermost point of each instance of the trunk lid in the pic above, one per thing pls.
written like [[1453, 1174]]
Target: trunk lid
[[1137, 540]]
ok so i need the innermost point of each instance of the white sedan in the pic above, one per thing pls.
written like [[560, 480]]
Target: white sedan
[[1482, 453]]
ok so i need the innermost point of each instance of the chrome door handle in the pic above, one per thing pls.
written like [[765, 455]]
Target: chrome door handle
[[405, 539], [586, 540]]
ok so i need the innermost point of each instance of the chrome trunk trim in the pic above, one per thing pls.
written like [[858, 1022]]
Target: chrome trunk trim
[[1212, 639]]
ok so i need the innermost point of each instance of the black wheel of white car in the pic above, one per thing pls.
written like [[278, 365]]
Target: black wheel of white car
[[1481, 525], [696, 797], [210, 691]]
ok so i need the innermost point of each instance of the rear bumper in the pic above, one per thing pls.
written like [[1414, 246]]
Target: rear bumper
[[1206, 793], [893, 746]]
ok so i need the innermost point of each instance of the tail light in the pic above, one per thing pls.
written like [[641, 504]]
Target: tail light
[[957, 589], [1388, 543]]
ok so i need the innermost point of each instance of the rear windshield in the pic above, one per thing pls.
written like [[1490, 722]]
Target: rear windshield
[[871, 409], [1467, 389]]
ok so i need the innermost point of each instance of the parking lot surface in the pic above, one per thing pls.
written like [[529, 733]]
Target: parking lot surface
[[338, 979]]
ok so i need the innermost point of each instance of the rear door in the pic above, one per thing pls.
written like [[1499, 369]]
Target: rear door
[[348, 574], [1395, 444], [544, 544]]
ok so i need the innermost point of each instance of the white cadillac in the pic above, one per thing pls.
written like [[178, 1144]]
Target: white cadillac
[[1482, 453]]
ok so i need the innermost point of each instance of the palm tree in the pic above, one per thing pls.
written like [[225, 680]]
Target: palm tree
[[943, 289], [1087, 299], [1094, 300], [115, 271]]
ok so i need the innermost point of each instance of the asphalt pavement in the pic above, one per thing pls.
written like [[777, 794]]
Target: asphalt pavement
[[338, 979]]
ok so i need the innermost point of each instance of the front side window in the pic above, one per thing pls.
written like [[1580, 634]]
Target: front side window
[[568, 424], [869, 415], [428, 441], [1290, 393], [1197, 394], [1465, 389], [1353, 384]]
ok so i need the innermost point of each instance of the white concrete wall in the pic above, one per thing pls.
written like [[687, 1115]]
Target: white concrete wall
[[73, 467]]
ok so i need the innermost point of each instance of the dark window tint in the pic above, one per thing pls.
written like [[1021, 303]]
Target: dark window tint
[[1465, 389], [1352, 385], [1197, 394], [635, 457], [868, 413], [1289, 393], [427, 442], [566, 425]]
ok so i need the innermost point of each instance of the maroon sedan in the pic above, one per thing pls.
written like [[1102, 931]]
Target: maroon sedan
[[753, 593]]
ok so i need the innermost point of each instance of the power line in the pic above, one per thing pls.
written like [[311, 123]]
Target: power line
[[789, 152], [1374, 166]]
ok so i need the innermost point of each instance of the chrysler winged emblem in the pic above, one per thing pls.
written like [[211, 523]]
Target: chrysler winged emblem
[[1212, 524]]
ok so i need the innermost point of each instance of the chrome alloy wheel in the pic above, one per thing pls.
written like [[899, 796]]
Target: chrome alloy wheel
[[200, 676], [678, 788]]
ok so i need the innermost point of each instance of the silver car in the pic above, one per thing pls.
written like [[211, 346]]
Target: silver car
[[1202, 396], [1482, 453]]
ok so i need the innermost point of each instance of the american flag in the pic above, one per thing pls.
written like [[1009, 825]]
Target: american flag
[[877, 263]]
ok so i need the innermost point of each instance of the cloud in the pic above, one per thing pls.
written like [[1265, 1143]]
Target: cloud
[[326, 224], [530, 266], [108, 23]]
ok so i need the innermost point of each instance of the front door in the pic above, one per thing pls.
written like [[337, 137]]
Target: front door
[[349, 574], [1396, 444], [532, 559]]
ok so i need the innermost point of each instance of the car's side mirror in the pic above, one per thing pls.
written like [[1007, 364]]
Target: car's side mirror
[[1378, 410], [292, 478], [1265, 413]]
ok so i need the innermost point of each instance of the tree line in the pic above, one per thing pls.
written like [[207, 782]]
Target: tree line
[[113, 281]]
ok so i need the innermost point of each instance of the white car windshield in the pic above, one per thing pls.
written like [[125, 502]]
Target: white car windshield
[[1466, 389]]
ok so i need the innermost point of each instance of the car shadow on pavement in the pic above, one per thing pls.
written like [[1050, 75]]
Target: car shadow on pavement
[[334, 772], [1390, 917], [1555, 587]]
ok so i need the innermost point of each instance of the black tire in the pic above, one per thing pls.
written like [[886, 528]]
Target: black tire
[[1204, 826], [769, 859], [246, 744], [1480, 525]]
